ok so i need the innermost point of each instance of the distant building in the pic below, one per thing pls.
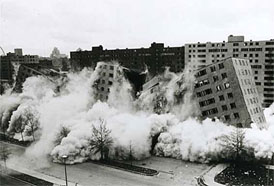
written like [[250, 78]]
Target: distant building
[[27, 70], [11, 59], [18, 51], [155, 58], [226, 90], [259, 53], [59, 61]]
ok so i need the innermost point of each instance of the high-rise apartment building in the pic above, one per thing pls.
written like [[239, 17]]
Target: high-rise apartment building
[[155, 58], [259, 53], [110, 73], [226, 90]]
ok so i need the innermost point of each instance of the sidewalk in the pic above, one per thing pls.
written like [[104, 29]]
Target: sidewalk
[[56, 181], [208, 176]]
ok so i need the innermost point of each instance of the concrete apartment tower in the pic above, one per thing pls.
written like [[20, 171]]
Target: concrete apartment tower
[[260, 54], [107, 74], [227, 90]]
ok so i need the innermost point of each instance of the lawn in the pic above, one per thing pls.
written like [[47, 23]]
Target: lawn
[[246, 174]]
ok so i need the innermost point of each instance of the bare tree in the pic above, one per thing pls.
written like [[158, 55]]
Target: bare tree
[[130, 153], [32, 122], [233, 144], [4, 154], [101, 140], [19, 126], [64, 131]]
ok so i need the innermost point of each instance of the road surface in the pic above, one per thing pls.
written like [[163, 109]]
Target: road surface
[[6, 180], [172, 172]]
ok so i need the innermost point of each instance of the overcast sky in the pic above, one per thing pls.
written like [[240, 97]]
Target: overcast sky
[[39, 25]]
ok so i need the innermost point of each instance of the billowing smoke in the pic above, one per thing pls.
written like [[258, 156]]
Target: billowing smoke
[[44, 109]]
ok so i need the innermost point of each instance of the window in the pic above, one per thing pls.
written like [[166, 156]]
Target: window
[[224, 107], [111, 67], [232, 105], [215, 78], [224, 75], [201, 73], [103, 81], [227, 117], [230, 95], [102, 89], [218, 88], [110, 82], [213, 68], [226, 85], [221, 66], [110, 75], [236, 115], [221, 98]]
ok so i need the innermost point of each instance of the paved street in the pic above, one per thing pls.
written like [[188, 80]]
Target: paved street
[[172, 172], [6, 180]]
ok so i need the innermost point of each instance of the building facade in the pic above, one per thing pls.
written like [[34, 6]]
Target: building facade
[[8, 61], [26, 70], [155, 58], [226, 90], [259, 53], [107, 73]]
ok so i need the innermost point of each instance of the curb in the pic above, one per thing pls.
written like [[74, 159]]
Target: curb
[[205, 179], [128, 170]]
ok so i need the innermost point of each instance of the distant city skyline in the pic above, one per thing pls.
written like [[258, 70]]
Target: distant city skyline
[[38, 26]]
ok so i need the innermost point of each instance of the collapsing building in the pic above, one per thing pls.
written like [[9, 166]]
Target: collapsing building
[[165, 92], [227, 90], [110, 73], [27, 70]]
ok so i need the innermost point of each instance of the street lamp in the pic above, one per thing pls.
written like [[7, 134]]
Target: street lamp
[[64, 159]]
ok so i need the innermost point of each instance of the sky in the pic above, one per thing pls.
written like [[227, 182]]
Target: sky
[[38, 26]]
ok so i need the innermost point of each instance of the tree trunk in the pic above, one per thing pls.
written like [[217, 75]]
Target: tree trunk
[[32, 133], [22, 136]]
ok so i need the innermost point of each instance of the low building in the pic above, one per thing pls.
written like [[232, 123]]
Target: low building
[[8, 61], [227, 90], [26, 70]]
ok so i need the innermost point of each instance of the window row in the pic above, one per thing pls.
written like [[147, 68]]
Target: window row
[[232, 106], [222, 97], [220, 87], [104, 82], [204, 92], [210, 112], [255, 110], [201, 83], [235, 115], [207, 102]]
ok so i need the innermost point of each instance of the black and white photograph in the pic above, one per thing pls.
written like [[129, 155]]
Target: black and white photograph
[[136, 93]]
